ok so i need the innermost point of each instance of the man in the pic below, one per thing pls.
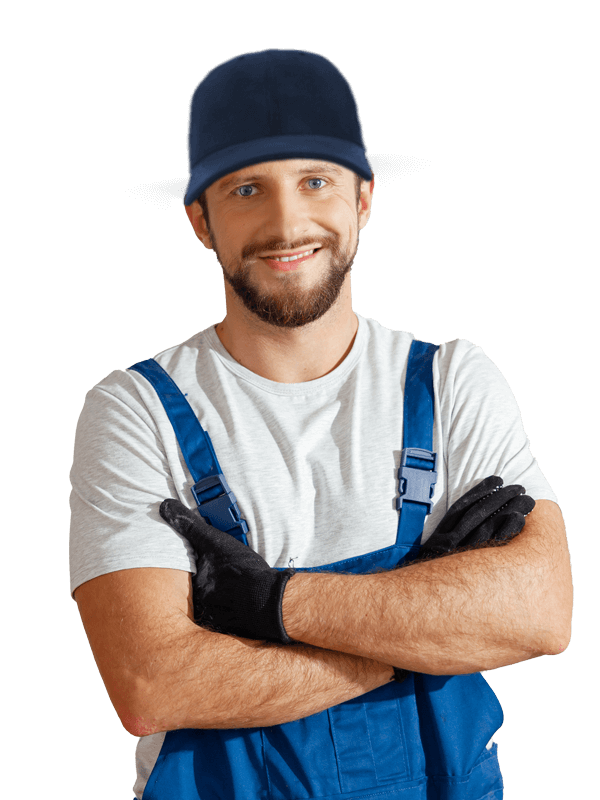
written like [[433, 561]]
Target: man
[[338, 437]]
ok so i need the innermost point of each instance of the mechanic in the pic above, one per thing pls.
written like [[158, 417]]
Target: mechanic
[[371, 531]]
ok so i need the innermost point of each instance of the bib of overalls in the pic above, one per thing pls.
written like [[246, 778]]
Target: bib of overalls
[[421, 739]]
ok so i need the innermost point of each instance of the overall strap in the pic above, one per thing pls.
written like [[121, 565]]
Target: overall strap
[[215, 500], [417, 474]]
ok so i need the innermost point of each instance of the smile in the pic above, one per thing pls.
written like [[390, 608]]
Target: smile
[[286, 263]]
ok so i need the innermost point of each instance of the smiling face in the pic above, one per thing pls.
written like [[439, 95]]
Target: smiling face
[[272, 211]]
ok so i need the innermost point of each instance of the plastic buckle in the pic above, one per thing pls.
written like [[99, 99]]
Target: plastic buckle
[[221, 512], [415, 484]]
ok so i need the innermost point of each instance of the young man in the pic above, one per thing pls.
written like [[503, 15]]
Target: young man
[[317, 667]]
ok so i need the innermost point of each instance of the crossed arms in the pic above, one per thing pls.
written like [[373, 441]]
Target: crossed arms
[[467, 612]]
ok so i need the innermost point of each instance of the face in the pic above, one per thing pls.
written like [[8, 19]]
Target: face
[[274, 210]]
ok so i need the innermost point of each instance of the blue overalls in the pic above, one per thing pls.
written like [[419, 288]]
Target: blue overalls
[[422, 739]]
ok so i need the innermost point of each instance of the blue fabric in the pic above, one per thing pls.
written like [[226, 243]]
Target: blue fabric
[[422, 739]]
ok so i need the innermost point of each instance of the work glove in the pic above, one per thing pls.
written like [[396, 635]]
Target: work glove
[[235, 591], [488, 514]]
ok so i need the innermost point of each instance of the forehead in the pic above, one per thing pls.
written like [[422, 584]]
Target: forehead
[[284, 168]]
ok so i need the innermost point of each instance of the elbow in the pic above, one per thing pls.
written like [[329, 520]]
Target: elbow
[[137, 712], [559, 643], [544, 643], [550, 642], [154, 709], [142, 721], [561, 635], [139, 725], [553, 613]]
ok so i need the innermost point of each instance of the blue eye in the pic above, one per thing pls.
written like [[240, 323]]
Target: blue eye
[[246, 185], [310, 180], [250, 185]]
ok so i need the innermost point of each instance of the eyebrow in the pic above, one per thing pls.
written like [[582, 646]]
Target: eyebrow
[[311, 167]]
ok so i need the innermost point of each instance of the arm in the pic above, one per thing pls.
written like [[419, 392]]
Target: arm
[[163, 672], [463, 613]]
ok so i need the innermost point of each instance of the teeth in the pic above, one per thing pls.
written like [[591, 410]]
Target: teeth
[[293, 258]]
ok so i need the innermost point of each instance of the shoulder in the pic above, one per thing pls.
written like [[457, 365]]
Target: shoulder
[[463, 368]]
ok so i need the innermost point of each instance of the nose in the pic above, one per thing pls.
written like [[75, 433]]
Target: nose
[[288, 218]]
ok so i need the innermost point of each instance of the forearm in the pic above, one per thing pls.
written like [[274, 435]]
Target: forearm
[[463, 613], [218, 681]]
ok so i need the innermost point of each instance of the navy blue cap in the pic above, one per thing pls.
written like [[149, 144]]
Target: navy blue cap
[[272, 105]]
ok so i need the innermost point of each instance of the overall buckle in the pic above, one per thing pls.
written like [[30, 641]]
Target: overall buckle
[[222, 511], [416, 484]]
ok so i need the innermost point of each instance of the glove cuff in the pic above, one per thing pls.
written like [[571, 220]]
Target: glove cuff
[[286, 574], [256, 602]]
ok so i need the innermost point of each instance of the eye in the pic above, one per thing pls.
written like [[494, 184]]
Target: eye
[[243, 186], [312, 180]]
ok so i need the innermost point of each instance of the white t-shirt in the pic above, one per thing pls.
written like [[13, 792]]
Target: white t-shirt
[[314, 465]]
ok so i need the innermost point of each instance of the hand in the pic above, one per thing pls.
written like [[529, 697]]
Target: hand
[[235, 590], [487, 513]]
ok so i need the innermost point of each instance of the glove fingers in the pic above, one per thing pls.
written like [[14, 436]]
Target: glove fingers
[[486, 507], [498, 528], [503, 525], [178, 516], [515, 510], [202, 536], [513, 524], [215, 549], [524, 504], [511, 519], [467, 501]]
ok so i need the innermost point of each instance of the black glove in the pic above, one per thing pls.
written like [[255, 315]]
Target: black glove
[[235, 590], [489, 512]]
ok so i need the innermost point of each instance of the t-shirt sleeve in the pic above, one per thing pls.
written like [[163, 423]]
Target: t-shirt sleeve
[[484, 432], [121, 473]]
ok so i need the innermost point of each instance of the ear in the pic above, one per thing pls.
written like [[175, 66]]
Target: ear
[[198, 222], [365, 200]]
